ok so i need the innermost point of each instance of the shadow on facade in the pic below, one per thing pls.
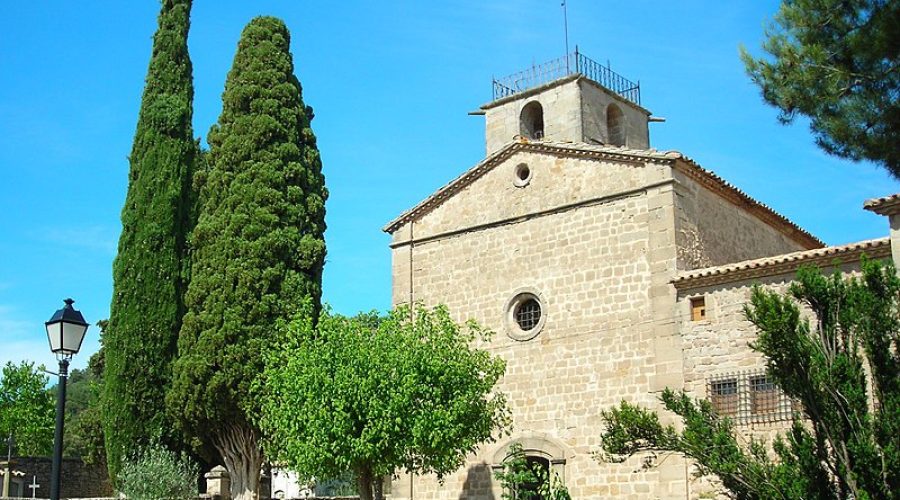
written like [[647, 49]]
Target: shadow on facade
[[479, 481]]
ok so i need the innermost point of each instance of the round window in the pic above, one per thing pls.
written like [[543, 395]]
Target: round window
[[528, 314], [525, 315], [522, 175]]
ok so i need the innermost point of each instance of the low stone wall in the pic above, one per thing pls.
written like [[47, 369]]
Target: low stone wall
[[79, 480]]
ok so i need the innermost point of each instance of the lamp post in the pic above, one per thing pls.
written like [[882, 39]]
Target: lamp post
[[65, 331]]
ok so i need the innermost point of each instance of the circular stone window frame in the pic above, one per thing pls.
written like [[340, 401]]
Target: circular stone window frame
[[518, 180], [519, 297]]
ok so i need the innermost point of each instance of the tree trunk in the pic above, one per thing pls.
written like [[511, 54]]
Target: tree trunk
[[239, 447], [378, 488], [364, 483]]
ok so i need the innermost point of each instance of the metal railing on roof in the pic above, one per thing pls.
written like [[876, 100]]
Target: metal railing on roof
[[570, 64]]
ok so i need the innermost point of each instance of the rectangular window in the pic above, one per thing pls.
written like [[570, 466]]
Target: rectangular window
[[698, 308], [723, 394], [763, 395]]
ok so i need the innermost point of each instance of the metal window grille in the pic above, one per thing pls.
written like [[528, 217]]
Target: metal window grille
[[723, 394], [749, 397], [570, 64], [528, 314]]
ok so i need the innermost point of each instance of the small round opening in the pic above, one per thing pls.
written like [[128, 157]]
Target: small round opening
[[528, 314], [523, 172], [522, 175]]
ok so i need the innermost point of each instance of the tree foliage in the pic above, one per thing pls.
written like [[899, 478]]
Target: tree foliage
[[257, 250], [149, 277], [522, 480], [27, 409], [84, 420], [840, 446], [837, 62], [375, 395]]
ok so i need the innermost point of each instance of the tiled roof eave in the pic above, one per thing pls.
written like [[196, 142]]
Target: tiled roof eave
[[781, 264], [886, 205]]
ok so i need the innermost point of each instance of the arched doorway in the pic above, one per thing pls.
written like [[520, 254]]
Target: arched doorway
[[528, 462]]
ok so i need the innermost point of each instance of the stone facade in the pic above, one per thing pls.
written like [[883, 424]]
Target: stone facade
[[613, 243]]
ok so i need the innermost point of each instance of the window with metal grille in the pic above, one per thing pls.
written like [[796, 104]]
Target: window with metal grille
[[528, 314], [724, 396], [749, 397], [763, 395]]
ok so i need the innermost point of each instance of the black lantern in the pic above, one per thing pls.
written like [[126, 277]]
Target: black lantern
[[66, 330]]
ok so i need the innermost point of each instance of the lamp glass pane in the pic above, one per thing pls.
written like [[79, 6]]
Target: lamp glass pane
[[72, 335], [55, 336]]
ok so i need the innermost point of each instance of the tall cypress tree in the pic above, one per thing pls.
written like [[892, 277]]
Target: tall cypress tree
[[257, 251], [149, 278]]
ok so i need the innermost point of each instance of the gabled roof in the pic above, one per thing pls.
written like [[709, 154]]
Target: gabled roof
[[614, 153], [781, 264], [886, 205]]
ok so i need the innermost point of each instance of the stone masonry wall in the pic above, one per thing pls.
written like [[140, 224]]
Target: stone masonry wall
[[713, 231], [562, 120], [594, 105], [601, 269], [78, 480]]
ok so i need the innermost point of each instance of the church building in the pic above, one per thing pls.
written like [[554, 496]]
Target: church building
[[609, 270]]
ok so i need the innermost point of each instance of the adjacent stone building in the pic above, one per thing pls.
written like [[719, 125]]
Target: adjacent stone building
[[610, 271]]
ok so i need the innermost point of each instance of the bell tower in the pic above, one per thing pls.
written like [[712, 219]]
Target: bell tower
[[570, 99]]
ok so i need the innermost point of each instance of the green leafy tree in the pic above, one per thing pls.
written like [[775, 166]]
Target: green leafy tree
[[84, 417], [375, 395], [27, 409], [840, 446], [157, 473], [837, 62], [522, 480], [149, 277], [257, 250]]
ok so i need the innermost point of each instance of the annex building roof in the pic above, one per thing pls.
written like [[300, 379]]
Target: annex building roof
[[782, 264]]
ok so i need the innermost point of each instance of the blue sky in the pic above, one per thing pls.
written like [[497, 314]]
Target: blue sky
[[391, 84]]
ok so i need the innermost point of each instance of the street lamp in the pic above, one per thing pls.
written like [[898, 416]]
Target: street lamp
[[65, 331]]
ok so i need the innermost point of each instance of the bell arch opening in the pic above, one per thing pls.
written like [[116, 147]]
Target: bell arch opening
[[531, 121], [615, 125]]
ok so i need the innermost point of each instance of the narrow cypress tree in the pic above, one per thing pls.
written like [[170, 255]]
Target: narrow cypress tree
[[149, 278], [257, 251]]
